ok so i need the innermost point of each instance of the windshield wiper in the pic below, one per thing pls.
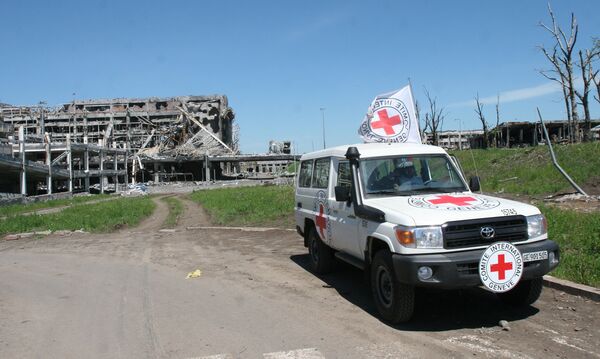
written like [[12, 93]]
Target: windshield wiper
[[451, 189], [384, 191]]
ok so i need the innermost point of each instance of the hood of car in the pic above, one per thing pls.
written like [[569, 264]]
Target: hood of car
[[437, 209]]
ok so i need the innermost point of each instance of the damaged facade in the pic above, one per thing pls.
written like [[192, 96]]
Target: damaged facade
[[157, 139]]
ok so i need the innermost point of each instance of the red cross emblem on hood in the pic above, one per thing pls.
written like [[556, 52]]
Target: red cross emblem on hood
[[459, 201]]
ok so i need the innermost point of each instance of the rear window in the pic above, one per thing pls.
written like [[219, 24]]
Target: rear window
[[306, 169]]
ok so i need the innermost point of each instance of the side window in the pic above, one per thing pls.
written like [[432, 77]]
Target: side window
[[321, 173], [306, 168], [344, 179]]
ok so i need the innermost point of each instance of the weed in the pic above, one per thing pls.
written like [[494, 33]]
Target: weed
[[532, 167], [175, 210], [578, 235], [15, 209], [96, 217], [264, 205]]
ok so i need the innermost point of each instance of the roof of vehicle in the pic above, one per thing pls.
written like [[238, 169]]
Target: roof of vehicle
[[367, 150]]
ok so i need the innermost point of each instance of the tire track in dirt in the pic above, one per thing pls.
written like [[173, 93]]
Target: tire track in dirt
[[156, 219], [193, 215]]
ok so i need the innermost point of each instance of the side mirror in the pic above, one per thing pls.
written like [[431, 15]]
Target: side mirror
[[474, 184], [342, 193]]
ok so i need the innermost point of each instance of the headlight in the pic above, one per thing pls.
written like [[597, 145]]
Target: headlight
[[420, 237], [536, 225]]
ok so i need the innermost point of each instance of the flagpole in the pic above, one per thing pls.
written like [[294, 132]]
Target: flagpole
[[415, 104]]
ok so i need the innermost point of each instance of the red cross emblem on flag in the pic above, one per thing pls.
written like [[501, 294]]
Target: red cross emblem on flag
[[386, 122], [321, 221]]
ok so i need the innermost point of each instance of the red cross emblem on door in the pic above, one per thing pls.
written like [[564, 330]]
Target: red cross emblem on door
[[321, 221]]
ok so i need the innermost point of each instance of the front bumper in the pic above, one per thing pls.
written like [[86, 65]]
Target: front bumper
[[461, 269]]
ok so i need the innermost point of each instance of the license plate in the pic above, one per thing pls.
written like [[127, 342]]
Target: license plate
[[535, 256]]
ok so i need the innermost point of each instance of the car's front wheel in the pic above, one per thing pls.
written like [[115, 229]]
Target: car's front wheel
[[395, 301]]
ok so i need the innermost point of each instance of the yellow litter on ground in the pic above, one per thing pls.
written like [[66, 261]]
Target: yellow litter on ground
[[195, 274]]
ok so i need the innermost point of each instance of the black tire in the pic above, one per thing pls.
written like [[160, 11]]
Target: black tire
[[395, 301], [321, 255], [524, 293]]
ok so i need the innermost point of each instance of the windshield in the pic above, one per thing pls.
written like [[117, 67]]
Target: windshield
[[410, 175]]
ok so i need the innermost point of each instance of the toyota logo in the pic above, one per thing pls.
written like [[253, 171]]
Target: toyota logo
[[487, 232]]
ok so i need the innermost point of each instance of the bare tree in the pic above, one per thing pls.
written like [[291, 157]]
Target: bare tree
[[596, 76], [434, 118], [587, 76], [562, 62], [479, 112], [497, 129]]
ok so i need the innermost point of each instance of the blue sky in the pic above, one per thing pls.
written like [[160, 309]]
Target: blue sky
[[279, 62]]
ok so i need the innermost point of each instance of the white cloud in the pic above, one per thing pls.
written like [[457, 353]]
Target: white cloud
[[514, 95]]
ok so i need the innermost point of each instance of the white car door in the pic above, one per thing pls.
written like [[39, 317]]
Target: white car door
[[344, 224]]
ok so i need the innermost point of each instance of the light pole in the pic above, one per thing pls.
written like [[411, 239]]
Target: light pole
[[459, 133], [323, 116]]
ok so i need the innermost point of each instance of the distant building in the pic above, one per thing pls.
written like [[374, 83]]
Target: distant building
[[511, 134], [454, 140]]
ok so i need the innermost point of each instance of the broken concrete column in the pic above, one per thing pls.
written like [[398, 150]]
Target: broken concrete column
[[47, 142], [70, 162], [22, 154]]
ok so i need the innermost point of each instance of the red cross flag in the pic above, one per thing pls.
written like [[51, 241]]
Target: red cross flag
[[391, 118]]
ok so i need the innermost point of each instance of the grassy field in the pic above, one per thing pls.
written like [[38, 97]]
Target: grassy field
[[15, 209], [249, 206], [534, 172], [578, 235], [97, 217], [175, 210]]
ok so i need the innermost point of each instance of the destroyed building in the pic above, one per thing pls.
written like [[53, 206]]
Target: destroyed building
[[103, 143]]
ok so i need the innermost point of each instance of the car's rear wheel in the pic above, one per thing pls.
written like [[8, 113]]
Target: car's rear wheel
[[395, 301], [321, 255]]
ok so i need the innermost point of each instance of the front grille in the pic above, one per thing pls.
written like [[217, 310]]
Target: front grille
[[467, 268], [461, 234]]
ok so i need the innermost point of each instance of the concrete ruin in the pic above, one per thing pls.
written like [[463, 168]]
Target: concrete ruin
[[510, 134], [105, 144]]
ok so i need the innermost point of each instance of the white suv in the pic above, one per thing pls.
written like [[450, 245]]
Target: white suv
[[405, 213]]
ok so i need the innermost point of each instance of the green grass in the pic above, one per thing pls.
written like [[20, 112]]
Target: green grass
[[578, 235], [533, 168], [96, 217], [15, 209], [249, 206], [175, 210]]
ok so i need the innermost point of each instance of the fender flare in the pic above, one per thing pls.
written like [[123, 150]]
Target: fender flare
[[377, 237]]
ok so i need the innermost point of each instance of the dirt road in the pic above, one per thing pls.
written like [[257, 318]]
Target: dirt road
[[125, 295]]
